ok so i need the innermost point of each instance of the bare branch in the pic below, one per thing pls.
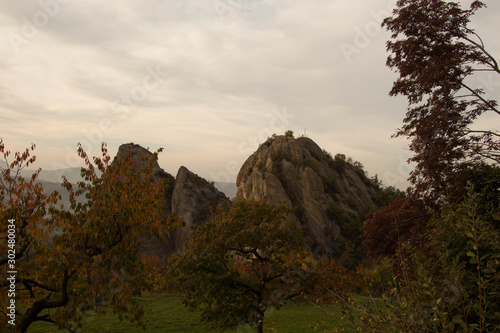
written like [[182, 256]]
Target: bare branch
[[493, 64], [484, 132], [491, 106]]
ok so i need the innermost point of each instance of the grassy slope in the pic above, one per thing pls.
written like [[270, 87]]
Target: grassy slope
[[165, 313]]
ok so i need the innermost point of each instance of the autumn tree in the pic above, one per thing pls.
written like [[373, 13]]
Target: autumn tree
[[446, 232], [438, 56], [331, 279], [242, 262], [23, 203], [71, 259], [454, 198], [395, 231]]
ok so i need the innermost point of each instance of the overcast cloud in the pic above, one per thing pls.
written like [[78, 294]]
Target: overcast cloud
[[205, 79]]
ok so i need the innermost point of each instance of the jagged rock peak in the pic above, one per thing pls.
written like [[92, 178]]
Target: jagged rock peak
[[189, 196], [327, 194], [192, 200], [152, 246], [133, 149], [138, 152]]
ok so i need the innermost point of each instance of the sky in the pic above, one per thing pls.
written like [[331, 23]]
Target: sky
[[207, 80]]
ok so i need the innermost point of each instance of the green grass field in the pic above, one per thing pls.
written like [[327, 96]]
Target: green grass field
[[166, 313]]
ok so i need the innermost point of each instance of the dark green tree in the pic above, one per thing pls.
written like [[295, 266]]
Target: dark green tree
[[242, 262]]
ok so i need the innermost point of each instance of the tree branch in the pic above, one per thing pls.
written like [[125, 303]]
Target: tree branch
[[491, 106], [484, 132], [37, 307], [19, 253], [252, 251], [494, 64], [273, 277], [32, 282]]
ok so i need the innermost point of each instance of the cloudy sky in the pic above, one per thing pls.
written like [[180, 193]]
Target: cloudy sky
[[207, 80]]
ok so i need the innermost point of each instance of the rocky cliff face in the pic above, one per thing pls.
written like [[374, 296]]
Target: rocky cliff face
[[138, 153], [188, 196], [152, 246], [329, 196], [193, 199]]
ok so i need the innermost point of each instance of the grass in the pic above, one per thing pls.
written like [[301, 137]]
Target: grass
[[166, 313]]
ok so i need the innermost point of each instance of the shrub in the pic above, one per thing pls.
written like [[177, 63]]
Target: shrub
[[338, 163], [453, 286]]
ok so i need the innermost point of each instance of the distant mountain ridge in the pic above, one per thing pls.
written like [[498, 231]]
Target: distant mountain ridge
[[53, 180], [55, 176]]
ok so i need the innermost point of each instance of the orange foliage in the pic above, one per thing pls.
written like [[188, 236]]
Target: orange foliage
[[332, 279], [71, 259], [154, 272]]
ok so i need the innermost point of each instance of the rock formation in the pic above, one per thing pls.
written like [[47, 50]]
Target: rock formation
[[329, 196], [188, 196], [192, 201], [152, 246]]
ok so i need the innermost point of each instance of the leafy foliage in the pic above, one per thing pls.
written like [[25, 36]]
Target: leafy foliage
[[445, 236], [467, 271], [82, 256], [331, 279], [396, 228], [435, 53], [242, 262], [386, 194], [455, 291]]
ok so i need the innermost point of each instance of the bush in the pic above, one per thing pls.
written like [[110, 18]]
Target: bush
[[338, 163], [376, 280], [312, 163], [453, 285]]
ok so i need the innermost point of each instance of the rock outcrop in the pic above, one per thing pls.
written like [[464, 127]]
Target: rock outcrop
[[152, 246], [188, 196], [193, 199], [138, 153], [329, 196]]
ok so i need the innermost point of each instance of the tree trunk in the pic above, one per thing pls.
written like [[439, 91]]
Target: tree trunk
[[32, 313], [258, 329], [258, 324]]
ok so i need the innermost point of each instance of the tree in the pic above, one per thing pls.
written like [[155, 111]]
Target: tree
[[331, 279], [467, 237], [23, 203], [396, 229], [449, 222], [240, 263], [72, 259], [437, 55], [454, 287]]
